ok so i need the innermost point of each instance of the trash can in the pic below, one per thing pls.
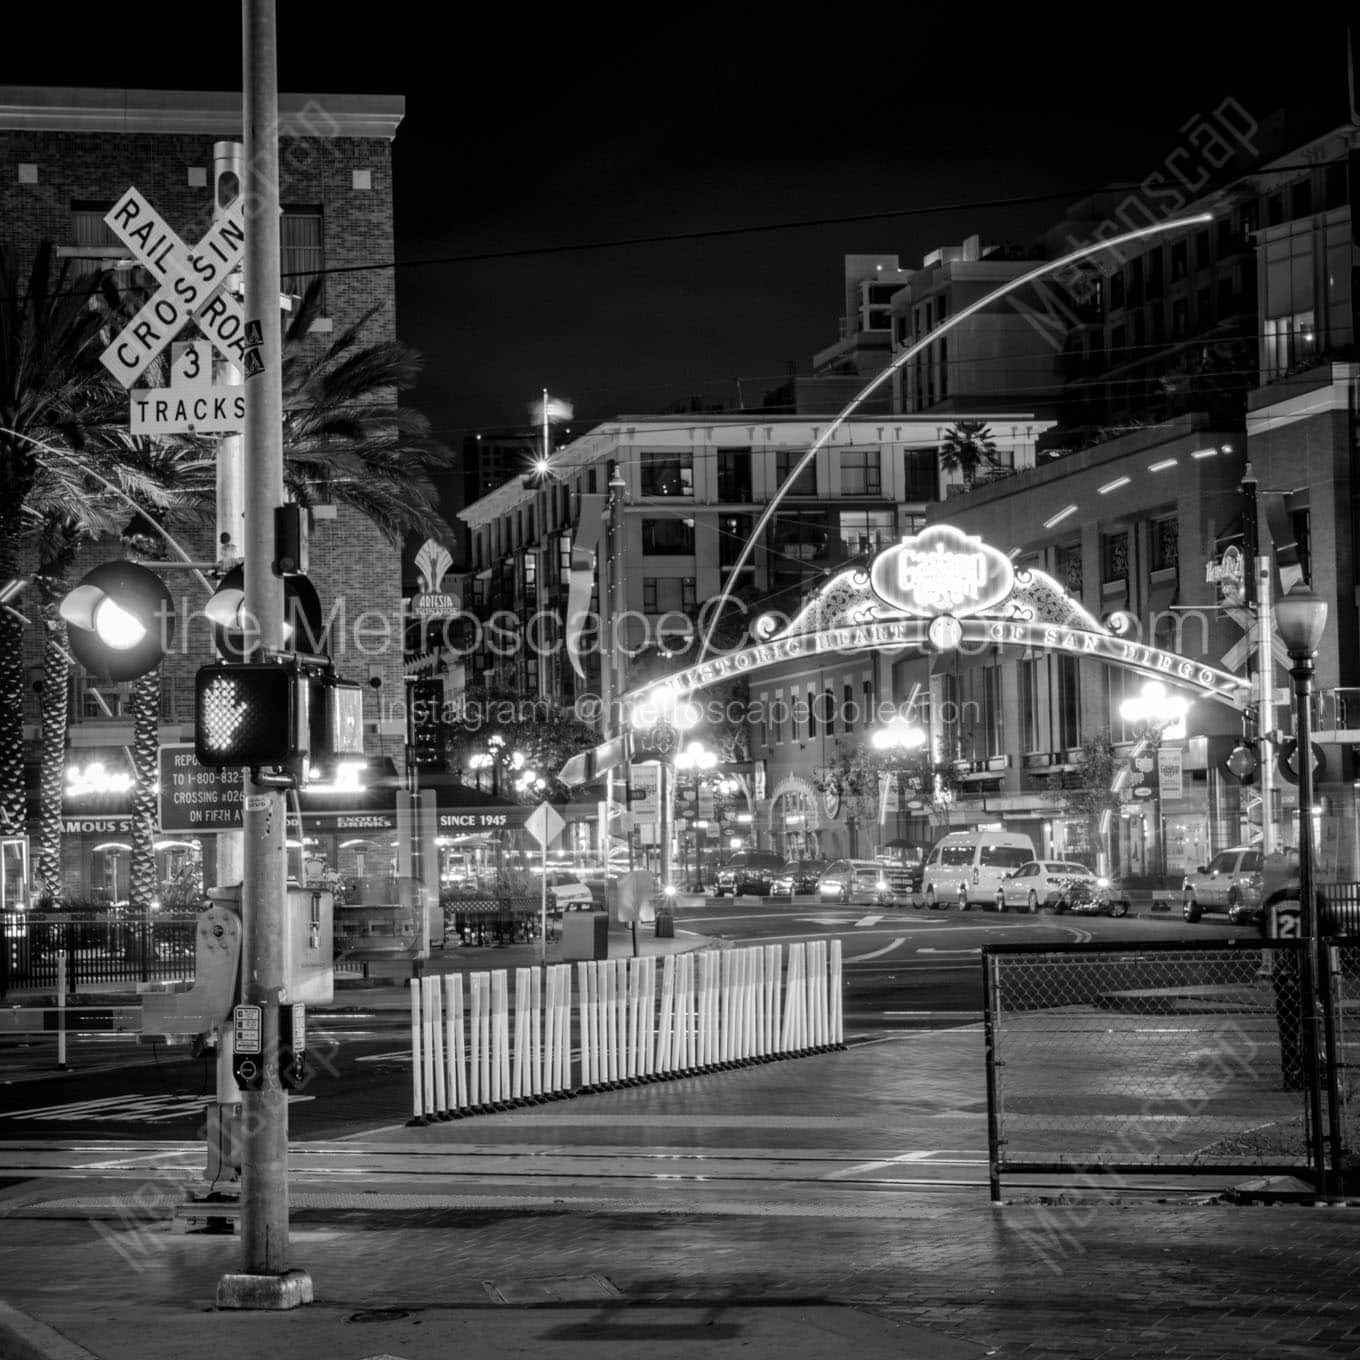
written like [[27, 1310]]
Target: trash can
[[585, 935], [665, 923]]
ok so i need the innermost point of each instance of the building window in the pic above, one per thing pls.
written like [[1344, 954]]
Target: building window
[[785, 461], [868, 688], [1114, 556], [1067, 568], [1029, 707], [672, 475], [94, 247], [1301, 199], [922, 475], [812, 713], [733, 533], [1165, 543], [1069, 703], [1202, 249], [848, 715], [861, 473], [1301, 523], [668, 537], [734, 475], [866, 531], [829, 711], [563, 554], [777, 717], [1289, 341], [303, 253], [992, 712], [1180, 259], [1180, 318], [668, 594]]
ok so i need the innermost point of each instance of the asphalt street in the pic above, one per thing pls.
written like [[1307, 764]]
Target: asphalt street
[[905, 970]]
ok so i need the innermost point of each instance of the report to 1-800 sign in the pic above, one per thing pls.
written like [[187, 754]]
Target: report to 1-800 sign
[[195, 798]]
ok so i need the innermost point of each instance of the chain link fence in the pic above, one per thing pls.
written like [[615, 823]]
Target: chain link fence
[[1180, 1057]]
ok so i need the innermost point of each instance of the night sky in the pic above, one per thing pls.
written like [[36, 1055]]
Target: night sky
[[520, 134]]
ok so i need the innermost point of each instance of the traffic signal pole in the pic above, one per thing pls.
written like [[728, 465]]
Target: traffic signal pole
[[265, 1279]]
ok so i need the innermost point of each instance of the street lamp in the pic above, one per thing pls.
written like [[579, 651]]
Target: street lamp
[[698, 759], [1156, 713], [898, 737], [1301, 618]]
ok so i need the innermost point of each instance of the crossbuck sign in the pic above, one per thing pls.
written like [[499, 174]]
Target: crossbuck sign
[[191, 284]]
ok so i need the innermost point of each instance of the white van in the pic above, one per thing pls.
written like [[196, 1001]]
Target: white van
[[967, 866]]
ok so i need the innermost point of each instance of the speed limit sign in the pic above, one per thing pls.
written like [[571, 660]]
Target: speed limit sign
[[1286, 921]]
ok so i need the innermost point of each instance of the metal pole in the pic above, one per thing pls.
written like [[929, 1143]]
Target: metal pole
[[265, 1280], [1265, 706], [1313, 970], [1256, 583], [228, 162]]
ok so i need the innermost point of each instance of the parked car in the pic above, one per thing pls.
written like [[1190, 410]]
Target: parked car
[[1041, 883], [1094, 897], [567, 892], [859, 881], [967, 866], [748, 872], [1231, 882], [904, 867], [798, 876]]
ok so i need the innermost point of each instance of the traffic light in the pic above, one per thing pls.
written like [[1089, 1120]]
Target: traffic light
[[249, 715], [120, 621], [427, 725], [302, 625]]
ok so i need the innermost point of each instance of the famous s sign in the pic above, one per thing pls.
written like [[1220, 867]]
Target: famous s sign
[[941, 571]]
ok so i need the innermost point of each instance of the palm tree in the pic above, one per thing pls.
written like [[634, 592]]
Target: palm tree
[[968, 446], [346, 438], [50, 382], [76, 499]]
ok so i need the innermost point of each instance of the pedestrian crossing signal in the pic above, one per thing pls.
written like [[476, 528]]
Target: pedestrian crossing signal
[[247, 715]]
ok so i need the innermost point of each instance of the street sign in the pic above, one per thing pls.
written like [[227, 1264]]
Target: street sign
[[194, 797], [1285, 921], [545, 824], [190, 284], [192, 403]]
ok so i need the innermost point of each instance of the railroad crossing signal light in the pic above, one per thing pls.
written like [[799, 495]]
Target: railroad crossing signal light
[[120, 621], [248, 715], [302, 624]]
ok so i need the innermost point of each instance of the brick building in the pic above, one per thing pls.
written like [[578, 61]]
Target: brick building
[[66, 155]]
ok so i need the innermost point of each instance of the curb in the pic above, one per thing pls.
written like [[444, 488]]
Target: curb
[[25, 1338]]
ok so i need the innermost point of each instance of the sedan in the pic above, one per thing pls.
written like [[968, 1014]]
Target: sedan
[[798, 876], [1041, 883], [854, 881]]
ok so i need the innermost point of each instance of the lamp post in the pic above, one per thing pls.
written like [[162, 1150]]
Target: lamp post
[[1300, 618], [1156, 712], [899, 736], [698, 758]]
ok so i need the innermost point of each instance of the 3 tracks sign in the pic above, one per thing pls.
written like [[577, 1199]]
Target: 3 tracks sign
[[192, 289]]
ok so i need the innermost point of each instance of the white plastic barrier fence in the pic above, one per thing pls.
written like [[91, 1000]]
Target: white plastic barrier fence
[[707, 1011]]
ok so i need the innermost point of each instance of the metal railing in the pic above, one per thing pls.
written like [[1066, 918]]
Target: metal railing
[[99, 950], [1180, 1057]]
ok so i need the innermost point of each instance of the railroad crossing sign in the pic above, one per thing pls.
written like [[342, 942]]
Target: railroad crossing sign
[[192, 403], [191, 283]]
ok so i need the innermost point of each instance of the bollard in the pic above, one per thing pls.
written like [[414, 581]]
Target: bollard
[[441, 1097], [417, 1092], [774, 968], [500, 1041], [837, 996], [456, 1048], [61, 1010]]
